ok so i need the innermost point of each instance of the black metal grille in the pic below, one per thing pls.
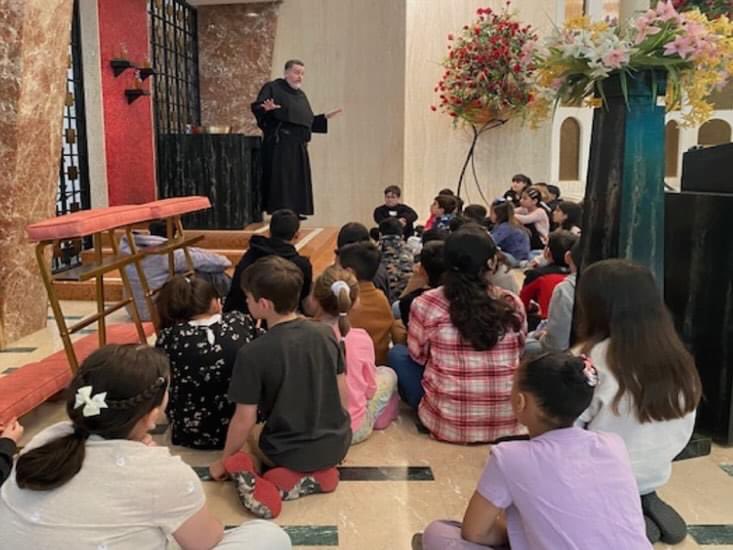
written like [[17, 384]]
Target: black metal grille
[[73, 190], [174, 43]]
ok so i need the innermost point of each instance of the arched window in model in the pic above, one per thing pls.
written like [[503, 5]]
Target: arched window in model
[[714, 132], [570, 150], [671, 149]]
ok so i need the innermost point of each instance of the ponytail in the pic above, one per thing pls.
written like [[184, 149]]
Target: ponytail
[[336, 291], [50, 466], [131, 379]]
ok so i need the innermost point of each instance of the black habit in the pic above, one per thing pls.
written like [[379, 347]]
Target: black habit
[[286, 171]]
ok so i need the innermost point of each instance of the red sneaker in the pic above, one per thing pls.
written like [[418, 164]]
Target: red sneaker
[[256, 494], [294, 485]]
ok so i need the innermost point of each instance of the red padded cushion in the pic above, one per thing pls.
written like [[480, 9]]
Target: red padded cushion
[[86, 222], [28, 387], [165, 208]]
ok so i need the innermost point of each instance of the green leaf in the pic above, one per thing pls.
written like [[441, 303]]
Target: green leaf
[[624, 88]]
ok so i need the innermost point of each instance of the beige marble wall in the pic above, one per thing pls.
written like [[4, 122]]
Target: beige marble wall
[[34, 41], [434, 149], [235, 57], [354, 58]]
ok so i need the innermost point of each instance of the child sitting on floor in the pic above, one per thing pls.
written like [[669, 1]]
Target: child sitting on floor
[[443, 210], [534, 218], [393, 208], [397, 259], [373, 312], [564, 488], [649, 387], [373, 400], [539, 283], [464, 343], [429, 269], [11, 434], [202, 345], [520, 183], [98, 480], [508, 233], [568, 215], [294, 376], [354, 232]]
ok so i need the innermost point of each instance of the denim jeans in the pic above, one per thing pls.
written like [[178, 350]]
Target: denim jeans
[[409, 375]]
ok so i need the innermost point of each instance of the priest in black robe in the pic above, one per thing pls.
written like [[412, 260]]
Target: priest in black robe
[[287, 121]]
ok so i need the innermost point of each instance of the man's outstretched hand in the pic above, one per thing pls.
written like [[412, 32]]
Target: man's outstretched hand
[[270, 105], [333, 113]]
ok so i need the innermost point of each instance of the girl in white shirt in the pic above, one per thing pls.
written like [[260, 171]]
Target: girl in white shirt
[[649, 387], [534, 217], [99, 482]]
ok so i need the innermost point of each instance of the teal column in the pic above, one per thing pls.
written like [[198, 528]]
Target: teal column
[[641, 220], [624, 198]]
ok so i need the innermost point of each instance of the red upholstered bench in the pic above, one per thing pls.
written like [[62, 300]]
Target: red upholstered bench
[[23, 390], [177, 206], [87, 222], [94, 222]]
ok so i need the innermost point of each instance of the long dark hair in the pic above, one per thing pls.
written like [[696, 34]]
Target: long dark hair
[[134, 378], [479, 318], [574, 214], [618, 299], [183, 298], [504, 212]]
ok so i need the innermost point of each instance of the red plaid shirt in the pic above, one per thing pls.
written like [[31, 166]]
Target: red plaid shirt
[[467, 392]]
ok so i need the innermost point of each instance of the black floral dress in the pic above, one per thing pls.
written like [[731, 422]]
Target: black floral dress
[[202, 355]]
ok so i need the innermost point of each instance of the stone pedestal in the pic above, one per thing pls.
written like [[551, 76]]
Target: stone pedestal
[[34, 50]]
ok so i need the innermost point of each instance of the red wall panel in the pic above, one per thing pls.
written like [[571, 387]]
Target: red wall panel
[[128, 129]]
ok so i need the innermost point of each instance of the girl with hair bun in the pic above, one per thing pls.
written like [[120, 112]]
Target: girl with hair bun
[[202, 345], [373, 402], [565, 487], [98, 480]]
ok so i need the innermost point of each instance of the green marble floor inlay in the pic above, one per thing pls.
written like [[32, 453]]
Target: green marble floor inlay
[[727, 468], [711, 534]]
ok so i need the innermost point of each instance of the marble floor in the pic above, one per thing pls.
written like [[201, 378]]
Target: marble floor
[[399, 480]]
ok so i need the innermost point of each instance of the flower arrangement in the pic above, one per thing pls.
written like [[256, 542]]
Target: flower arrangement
[[695, 52], [711, 8], [488, 70]]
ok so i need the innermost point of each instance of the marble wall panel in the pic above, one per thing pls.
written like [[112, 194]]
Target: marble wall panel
[[34, 42], [235, 57]]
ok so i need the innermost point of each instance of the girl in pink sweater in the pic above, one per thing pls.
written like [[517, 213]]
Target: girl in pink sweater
[[373, 401]]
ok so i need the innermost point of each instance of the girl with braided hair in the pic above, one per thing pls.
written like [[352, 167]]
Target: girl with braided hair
[[98, 480]]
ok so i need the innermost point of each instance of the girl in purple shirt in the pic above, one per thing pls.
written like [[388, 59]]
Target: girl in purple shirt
[[563, 489]]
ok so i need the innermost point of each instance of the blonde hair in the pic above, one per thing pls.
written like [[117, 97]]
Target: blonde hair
[[335, 304]]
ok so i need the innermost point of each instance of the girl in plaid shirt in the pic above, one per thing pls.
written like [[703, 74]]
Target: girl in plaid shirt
[[469, 336]]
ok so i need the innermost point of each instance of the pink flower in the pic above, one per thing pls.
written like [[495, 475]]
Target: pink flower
[[666, 12], [615, 58], [682, 46]]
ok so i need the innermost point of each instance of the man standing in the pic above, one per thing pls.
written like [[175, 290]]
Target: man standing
[[286, 119]]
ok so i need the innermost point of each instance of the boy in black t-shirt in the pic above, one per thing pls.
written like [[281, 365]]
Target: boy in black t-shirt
[[393, 208], [294, 375]]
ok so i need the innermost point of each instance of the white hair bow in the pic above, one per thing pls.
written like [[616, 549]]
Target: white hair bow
[[93, 405], [338, 286]]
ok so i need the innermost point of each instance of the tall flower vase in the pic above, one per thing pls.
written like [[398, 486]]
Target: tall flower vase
[[624, 197]]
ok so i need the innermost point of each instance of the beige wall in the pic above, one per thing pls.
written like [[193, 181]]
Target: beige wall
[[354, 58], [380, 60], [434, 150]]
